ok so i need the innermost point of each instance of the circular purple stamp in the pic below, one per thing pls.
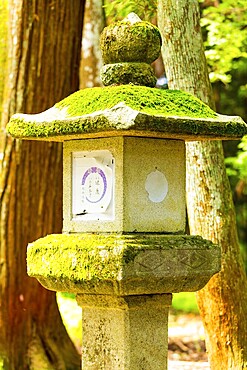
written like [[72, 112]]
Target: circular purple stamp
[[94, 183]]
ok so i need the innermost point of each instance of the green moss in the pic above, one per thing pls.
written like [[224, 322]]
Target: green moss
[[95, 257], [112, 263], [123, 73], [141, 28], [172, 113], [144, 99], [20, 128], [125, 42], [80, 257]]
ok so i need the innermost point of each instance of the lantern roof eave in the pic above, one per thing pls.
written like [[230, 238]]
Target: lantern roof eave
[[108, 123]]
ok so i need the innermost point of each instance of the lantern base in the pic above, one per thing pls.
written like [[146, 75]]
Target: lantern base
[[128, 333]]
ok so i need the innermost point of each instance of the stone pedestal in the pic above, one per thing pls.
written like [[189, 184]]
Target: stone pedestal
[[123, 284], [125, 333]]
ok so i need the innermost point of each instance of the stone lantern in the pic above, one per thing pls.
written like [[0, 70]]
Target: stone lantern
[[123, 250]]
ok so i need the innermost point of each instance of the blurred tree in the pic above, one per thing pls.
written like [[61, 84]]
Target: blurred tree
[[223, 302], [225, 32], [91, 60], [3, 46], [3, 58], [43, 67]]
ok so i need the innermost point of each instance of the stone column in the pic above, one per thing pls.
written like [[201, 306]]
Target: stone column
[[124, 333]]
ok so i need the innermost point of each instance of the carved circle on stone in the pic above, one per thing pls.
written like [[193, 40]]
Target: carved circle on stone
[[157, 186]]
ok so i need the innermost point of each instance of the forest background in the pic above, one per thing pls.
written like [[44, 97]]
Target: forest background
[[225, 40]]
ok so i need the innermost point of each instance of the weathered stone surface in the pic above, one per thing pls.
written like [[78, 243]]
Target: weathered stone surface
[[135, 159], [125, 333], [130, 41], [127, 110], [123, 265], [125, 73]]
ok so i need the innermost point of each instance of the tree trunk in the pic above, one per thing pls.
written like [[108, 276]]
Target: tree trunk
[[3, 48], [223, 302], [91, 58], [44, 54]]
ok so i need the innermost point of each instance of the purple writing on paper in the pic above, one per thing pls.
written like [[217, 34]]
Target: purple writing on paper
[[94, 185]]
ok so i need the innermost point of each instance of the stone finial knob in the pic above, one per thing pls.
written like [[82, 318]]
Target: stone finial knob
[[132, 18], [128, 47]]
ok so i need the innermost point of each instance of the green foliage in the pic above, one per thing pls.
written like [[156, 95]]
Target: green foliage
[[118, 9], [226, 37], [67, 295], [233, 96], [237, 166], [185, 302], [71, 316]]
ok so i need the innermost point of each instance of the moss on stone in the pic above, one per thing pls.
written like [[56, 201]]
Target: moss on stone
[[77, 257], [21, 128], [125, 73], [104, 264], [139, 29], [124, 41], [91, 256], [144, 110], [144, 99]]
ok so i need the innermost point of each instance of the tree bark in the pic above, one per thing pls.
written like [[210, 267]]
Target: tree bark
[[91, 58], [3, 49], [44, 55], [223, 302]]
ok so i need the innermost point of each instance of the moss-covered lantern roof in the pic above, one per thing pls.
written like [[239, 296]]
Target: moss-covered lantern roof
[[127, 110], [129, 104]]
